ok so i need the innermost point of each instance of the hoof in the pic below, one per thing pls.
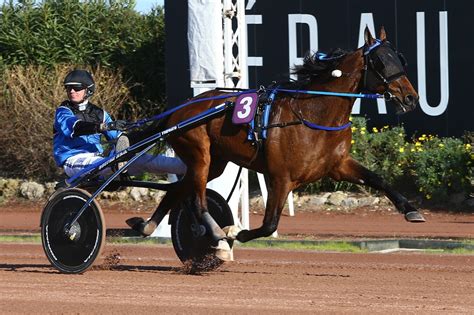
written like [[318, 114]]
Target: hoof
[[135, 223], [141, 226], [231, 231], [243, 236], [223, 251], [414, 216]]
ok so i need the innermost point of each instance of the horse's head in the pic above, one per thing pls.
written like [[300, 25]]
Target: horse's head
[[385, 72]]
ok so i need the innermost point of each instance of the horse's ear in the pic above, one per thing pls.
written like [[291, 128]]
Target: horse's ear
[[369, 40], [382, 35]]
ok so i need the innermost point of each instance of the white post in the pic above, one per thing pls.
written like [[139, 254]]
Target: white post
[[291, 207], [164, 229], [212, 37], [244, 199], [206, 65], [235, 75]]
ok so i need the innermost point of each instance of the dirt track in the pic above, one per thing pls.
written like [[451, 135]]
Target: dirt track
[[150, 279], [381, 222]]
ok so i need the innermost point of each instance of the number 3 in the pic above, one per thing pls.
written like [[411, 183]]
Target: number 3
[[246, 109]]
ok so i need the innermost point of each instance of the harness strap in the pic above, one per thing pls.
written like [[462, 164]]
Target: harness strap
[[376, 43], [266, 111], [326, 128]]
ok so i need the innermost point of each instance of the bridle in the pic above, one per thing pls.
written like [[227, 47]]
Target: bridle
[[383, 65]]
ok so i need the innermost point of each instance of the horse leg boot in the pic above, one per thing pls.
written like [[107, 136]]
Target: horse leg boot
[[350, 170], [223, 250]]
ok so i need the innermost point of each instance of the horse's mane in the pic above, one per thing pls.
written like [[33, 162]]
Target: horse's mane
[[318, 65]]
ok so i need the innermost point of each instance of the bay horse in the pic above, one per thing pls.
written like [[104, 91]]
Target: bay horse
[[292, 153]]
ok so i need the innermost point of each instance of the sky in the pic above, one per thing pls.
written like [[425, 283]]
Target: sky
[[144, 6]]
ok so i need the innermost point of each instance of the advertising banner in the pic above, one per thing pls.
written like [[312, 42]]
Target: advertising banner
[[434, 35]]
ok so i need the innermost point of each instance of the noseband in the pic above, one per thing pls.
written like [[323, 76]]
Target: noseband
[[383, 65]]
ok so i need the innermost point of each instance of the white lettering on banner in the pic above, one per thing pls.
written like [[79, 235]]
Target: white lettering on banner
[[443, 64], [293, 19], [250, 4], [366, 19], [256, 61]]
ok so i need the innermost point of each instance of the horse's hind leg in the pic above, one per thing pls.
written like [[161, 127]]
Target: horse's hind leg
[[350, 170], [190, 184], [146, 228], [169, 201]]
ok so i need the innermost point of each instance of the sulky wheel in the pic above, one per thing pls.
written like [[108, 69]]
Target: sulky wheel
[[196, 252], [73, 251]]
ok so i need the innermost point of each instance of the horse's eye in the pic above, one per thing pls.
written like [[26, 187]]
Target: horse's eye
[[379, 63]]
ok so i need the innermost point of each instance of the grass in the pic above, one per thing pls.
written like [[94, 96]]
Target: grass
[[139, 240], [304, 245], [323, 246], [460, 251], [263, 243], [20, 238], [454, 251]]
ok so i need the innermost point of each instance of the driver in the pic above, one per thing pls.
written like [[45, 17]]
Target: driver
[[79, 124]]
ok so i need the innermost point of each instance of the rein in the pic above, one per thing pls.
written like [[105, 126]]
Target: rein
[[174, 109], [341, 94], [275, 90], [368, 52]]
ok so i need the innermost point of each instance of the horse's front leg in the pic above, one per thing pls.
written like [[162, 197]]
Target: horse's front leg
[[352, 171], [201, 172], [277, 193]]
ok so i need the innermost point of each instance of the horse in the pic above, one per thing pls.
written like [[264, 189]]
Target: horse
[[292, 154]]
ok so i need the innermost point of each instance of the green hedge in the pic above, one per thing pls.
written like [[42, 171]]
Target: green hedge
[[31, 95], [426, 165], [106, 33], [41, 40]]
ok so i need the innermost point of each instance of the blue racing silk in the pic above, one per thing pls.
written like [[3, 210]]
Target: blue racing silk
[[69, 140]]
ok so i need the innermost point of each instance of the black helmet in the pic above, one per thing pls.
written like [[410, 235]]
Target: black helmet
[[80, 77]]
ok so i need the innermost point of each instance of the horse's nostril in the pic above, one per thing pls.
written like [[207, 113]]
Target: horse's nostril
[[409, 99]]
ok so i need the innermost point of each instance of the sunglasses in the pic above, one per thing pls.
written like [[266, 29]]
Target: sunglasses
[[76, 88]]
